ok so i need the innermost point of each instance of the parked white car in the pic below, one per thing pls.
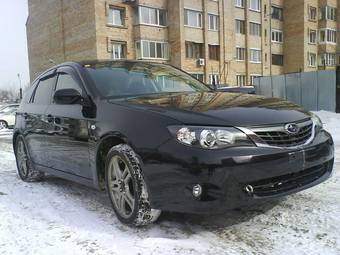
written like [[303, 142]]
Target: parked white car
[[7, 116]]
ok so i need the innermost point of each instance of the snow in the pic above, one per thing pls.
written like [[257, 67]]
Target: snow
[[61, 217]]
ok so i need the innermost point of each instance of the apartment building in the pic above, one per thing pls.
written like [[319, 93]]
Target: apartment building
[[226, 41]]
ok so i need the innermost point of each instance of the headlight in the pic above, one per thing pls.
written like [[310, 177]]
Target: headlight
[[317, 121], [210, 137]]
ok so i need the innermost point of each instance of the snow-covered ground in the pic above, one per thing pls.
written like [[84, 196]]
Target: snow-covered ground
[[60, 217]]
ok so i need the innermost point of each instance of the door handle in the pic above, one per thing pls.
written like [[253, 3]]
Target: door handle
[[50, 118], [57, 121]]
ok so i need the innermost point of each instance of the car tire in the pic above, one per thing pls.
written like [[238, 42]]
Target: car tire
[[126, 187], [25, 168], [3, 125]]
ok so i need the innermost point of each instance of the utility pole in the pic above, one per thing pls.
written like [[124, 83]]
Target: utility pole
[[20, 90]]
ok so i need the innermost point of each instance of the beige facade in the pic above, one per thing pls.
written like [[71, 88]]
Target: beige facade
[[230, 40]]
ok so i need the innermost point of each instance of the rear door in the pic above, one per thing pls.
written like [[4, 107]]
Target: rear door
[[68, 135], [35, 120]]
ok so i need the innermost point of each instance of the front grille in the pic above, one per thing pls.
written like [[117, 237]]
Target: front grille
[[285, 183], [277, 136]]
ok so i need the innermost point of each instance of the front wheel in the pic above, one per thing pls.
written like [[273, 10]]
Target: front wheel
[[26, 171], [126, 187]]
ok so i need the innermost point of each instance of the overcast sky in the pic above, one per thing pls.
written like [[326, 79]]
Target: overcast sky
[[13, 43]]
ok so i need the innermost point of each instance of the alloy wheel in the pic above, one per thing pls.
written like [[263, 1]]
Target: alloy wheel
[[22, 158], [121, 186]]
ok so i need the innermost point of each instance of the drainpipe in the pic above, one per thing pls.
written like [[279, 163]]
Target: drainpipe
[[246, 40], [222, 39], [206, 50], [270, 36], [62, 28]]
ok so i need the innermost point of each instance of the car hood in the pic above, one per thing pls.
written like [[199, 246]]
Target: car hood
[[219, 108]]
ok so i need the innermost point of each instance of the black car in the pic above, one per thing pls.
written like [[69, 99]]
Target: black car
[[157, 139]]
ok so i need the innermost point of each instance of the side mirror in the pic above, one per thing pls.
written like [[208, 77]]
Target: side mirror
[[67, 96]]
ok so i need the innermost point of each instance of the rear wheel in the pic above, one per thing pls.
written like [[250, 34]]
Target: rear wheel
[[127, 189], [24, 165], [3, 125]]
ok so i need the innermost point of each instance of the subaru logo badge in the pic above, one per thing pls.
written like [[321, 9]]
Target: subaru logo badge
[[292, 128]]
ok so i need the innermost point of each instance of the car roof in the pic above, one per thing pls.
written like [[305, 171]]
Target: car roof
[[92, 62]]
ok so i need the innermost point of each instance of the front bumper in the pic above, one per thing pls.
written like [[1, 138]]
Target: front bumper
[[173, 169]]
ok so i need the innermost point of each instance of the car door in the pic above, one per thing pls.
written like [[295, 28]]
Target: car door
[[68, 135], [34, 118]]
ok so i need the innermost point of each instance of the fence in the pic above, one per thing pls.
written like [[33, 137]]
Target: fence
[[314, 91]]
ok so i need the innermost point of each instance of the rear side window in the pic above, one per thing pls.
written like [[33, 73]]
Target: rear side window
[[28, 94], [66, 81], [44, 90]]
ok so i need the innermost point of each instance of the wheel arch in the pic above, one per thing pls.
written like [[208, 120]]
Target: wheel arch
[[14, 139], [4, 121], [103, 146]]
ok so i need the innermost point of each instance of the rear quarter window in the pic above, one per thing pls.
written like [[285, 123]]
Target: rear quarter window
[[28, 94], [43, 92]]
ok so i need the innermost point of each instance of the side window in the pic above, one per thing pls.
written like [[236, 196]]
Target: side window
[[44, 90], [65, 81]]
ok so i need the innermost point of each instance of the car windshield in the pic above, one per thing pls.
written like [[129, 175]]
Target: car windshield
[[127, 79]]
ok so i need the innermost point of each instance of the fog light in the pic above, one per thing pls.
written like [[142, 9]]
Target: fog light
[[197, 190], [249, 189]]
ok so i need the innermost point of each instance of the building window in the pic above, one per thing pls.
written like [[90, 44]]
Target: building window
[[312, 13], [327, 59], [328, 13], [255, 56], [311, 59], [312, 36], [152, 16], [240, 80], [198, 76], [192, 18], [253, 77], [213, 22], [240, 26], [277, 60], [277, 13], [327, 35], [118, 50], [152, 50], [214, 78], [277, 36], [193, 50], [240, 54], [254, 29], [214, 52], [255, 5], [116, 16], [239, 3]]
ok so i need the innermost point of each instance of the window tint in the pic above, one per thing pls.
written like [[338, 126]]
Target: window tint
[[43, 92], [65, 81]]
